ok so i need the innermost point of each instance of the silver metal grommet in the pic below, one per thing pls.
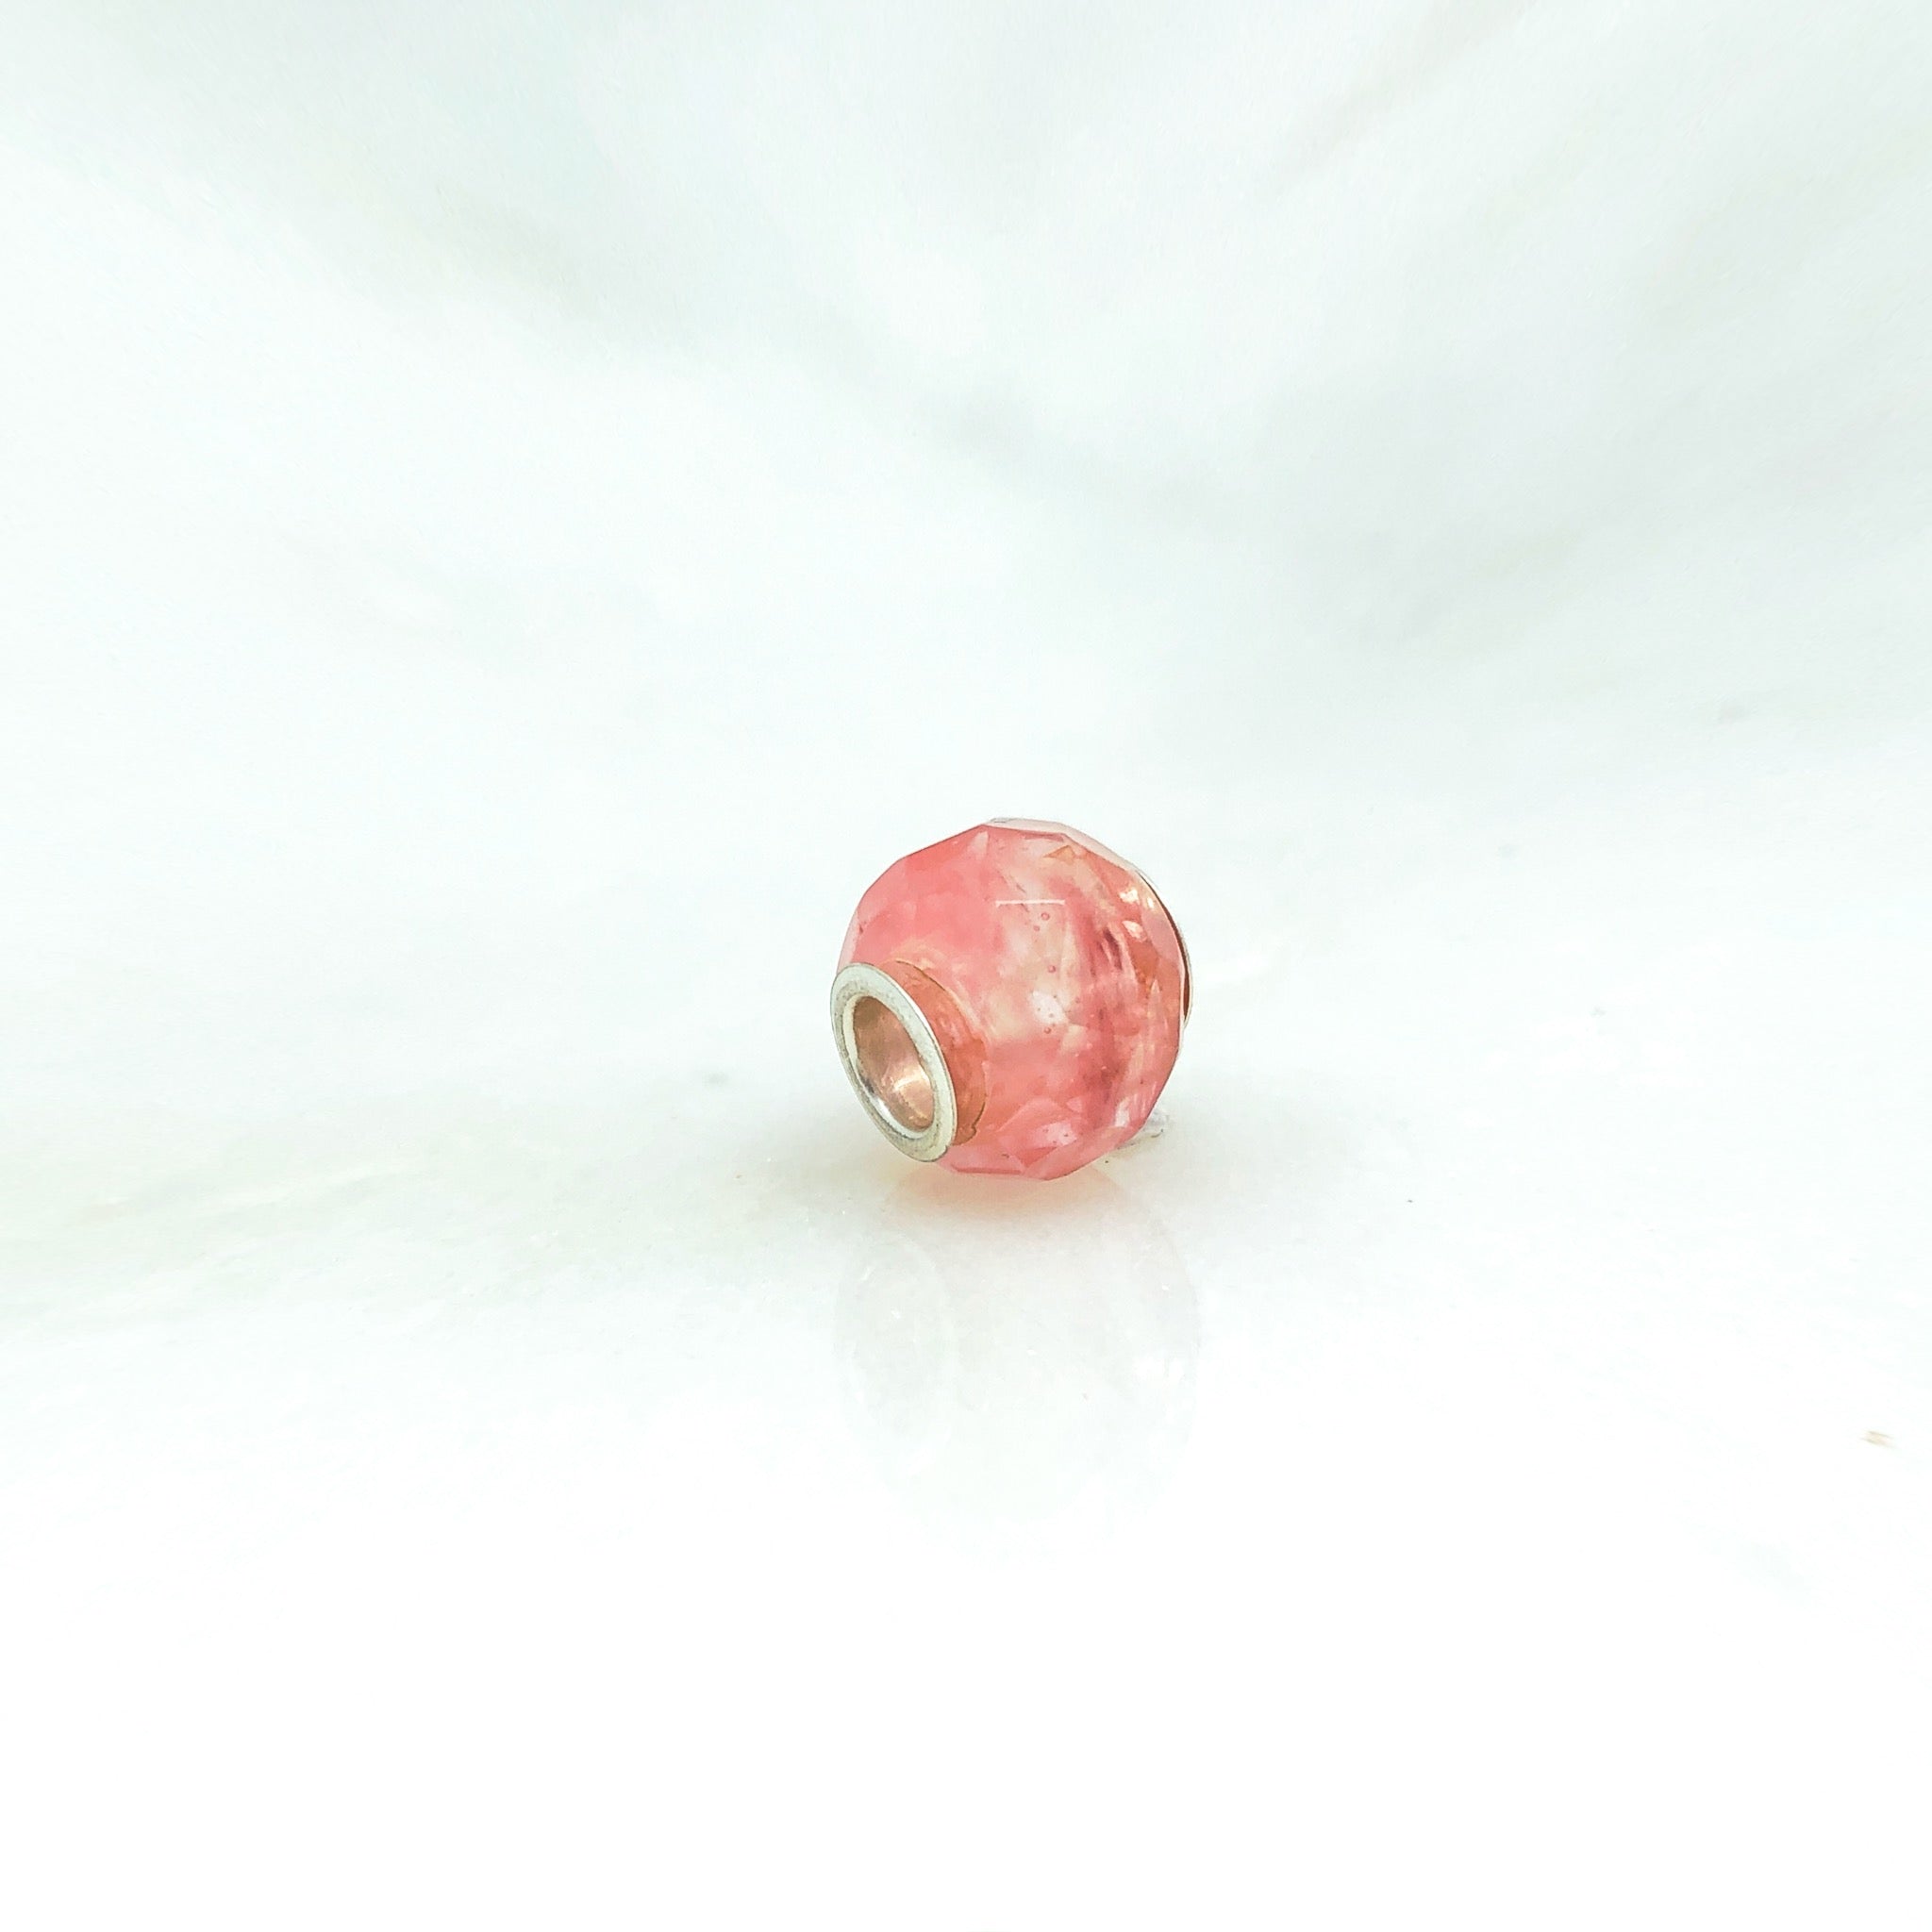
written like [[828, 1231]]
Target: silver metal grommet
[[892, 1058]]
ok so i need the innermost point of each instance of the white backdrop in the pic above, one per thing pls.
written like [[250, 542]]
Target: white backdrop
[[511, 516]]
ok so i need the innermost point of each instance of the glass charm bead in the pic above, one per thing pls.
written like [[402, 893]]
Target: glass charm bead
[[1011, 1001]]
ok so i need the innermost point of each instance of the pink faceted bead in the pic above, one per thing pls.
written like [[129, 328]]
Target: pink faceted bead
[[1049, 976]]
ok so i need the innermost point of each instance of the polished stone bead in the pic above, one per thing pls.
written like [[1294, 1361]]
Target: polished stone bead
[[1054, 981]]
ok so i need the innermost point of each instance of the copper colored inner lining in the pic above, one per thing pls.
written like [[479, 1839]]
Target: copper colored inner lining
[[889, 1067]]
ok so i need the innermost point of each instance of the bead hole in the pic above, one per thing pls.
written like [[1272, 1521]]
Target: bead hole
[[889, 1067]]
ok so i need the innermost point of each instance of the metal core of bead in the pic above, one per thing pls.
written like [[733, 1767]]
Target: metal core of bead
[[892, 1059]]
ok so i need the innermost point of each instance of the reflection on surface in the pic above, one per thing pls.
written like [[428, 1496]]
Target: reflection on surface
[[1015, 1353]]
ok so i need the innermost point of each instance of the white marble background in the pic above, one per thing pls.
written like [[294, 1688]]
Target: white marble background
[[510, 516]]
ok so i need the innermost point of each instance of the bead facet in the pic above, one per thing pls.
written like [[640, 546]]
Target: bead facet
[[1010, 1000]]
